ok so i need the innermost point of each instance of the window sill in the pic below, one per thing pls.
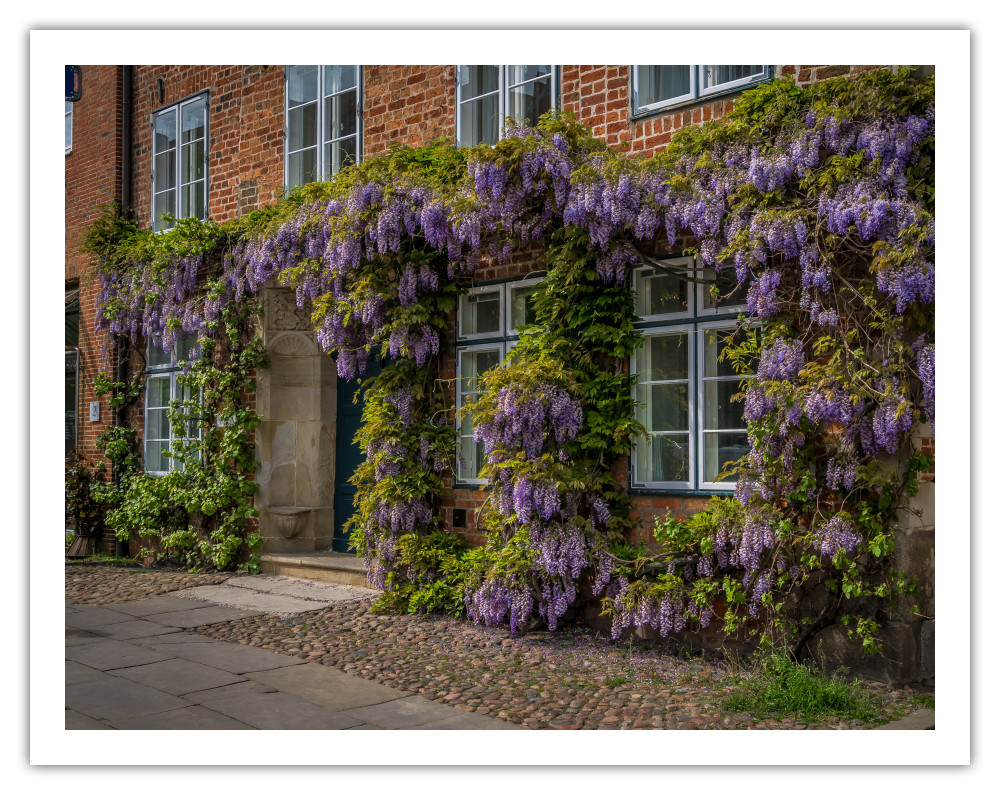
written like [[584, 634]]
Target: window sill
[[678, 492], [698, 102]]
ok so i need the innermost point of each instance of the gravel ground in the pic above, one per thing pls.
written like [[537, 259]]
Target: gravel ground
[[572, 679], [104, 584]]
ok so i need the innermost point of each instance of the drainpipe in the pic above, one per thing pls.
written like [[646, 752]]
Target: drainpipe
[[121, 344]]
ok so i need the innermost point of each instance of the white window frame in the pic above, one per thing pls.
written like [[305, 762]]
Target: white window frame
[[698, 88], [156, 372], [69, 129], [675, 485], [482, 335], [511, 331], [680, 263], [177, 189], [504, 88], [702, 479], [503, 340], [703, 307], [501, 348], [638, 107], [321, 142], [729, 85], [699, 318]]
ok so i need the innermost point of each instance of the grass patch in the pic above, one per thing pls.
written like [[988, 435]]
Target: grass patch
[[778, 687], [614, 681], [925, 700]]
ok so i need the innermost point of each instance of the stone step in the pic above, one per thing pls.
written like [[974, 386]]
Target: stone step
[[335, 567]]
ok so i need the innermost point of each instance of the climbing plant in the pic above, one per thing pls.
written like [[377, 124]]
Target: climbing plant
[[822, 200]]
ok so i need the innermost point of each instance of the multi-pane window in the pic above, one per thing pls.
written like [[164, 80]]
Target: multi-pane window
[[487, 95], [180, 162], [655, 87], [322, 121], [161, 437], [69, 126], [488, 322], [685, 393]]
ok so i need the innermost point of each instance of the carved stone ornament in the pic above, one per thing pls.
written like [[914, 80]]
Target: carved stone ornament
[[285, 315]]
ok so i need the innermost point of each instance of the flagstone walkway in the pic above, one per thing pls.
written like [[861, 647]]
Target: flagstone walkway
[[274, 652]]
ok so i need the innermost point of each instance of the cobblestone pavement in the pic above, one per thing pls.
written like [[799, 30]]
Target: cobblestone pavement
[[573, 679]]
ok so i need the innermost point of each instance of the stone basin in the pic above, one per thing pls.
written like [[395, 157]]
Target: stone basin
[[289, 520]]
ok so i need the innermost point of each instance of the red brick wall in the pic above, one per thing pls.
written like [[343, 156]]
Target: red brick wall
[[410, 105], [245, 132], [93, 179], [600, 97]]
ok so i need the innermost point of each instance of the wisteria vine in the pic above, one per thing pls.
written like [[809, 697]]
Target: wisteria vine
[[822, 201]]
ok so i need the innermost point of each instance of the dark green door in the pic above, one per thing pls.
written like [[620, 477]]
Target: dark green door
[[349, 455]]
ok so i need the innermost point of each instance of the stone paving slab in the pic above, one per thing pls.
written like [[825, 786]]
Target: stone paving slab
[[179, 677], [464, 721], [243, 688], [303, 589], [77, 720], [92, 617], [77, 673], [109, 697], [229, 656], [259, 602], [282, 711], [173, 637], [403, 713], [193, 717], [919, 719], [327, 686], [107, 654], [202, 616], [74, 637], [129, 630], [154, 605]]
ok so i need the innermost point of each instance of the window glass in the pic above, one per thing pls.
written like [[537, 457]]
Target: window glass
[[487, 95], [301, 85], [473, 362], [69, 125], [689, 400], [720, 75], [322, 137], [655, 84], [522, 313], [480, 313], [160, 438], [179, 177], [660, 293], [661, 86], [474, 81], [723, 292], [339, 78]]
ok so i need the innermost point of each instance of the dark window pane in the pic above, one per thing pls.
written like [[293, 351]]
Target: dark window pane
[[339, 78], [302, 127], [720, 449], [668, 357], [662, 83], [165, 131], [476, 80], [527, 103], [480, 121], [301, 85], [721, 412]]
